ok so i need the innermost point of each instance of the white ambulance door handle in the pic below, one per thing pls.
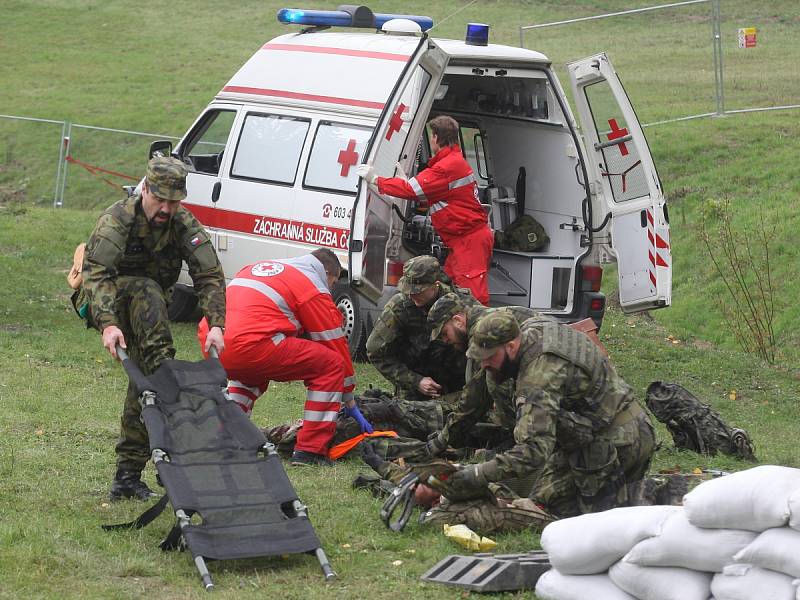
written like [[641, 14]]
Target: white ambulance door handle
[[614, 142], [215, 191]]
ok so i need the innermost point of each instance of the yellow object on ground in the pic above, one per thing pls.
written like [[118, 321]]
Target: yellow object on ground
[[468, 538]]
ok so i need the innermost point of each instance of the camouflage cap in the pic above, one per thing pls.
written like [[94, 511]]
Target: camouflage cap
[[442, 311], [492, 331], [419, 273], [166, 178]]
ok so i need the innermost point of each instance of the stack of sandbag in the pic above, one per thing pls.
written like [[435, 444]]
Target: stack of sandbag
[[766, 501], [736, 538], [582, 549]]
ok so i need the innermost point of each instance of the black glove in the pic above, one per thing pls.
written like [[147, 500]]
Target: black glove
[[369, 455]]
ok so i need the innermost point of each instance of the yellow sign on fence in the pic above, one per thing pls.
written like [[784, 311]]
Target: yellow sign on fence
[[747, 37]]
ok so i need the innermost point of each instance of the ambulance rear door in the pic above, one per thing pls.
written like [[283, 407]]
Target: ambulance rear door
[[623, 182], [394, 140]]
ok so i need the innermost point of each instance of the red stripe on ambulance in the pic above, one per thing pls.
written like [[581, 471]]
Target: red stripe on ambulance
[[240, 89], [272, 227], [339, 51]]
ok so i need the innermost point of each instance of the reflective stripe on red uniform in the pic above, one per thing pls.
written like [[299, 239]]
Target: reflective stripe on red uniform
[[448, 186], [268, 305]]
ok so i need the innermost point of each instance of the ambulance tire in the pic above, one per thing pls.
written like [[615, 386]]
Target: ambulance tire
[[184, 307], [348, 303]]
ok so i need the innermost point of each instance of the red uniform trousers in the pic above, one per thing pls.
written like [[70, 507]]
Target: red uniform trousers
[[250, 369], [469, 260]]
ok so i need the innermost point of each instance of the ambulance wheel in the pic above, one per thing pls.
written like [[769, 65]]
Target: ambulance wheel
[[183, 306], [353, 323]]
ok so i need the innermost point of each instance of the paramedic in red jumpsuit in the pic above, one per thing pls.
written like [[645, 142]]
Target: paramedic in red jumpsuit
[[269, 305], [449, 188]]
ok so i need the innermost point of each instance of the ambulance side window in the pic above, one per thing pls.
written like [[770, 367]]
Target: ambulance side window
[[474, 152], [336, 152], [622, 165], [203, 152], [269, 148]]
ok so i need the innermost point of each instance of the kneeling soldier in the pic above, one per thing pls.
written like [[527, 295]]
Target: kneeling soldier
[[577, 422]]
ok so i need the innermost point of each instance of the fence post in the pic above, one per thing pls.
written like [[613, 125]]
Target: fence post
[[719, 91], [61, 173], [56, 200]]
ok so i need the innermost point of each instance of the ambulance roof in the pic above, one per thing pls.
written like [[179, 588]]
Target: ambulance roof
[[345, 72]]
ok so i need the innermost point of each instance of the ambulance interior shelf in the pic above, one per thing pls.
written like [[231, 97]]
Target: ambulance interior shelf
[[491, 91]]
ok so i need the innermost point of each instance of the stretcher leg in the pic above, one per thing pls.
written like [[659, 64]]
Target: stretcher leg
[[327, 570]]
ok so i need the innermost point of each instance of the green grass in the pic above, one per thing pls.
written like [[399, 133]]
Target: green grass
[[152, 67], [62, 394]]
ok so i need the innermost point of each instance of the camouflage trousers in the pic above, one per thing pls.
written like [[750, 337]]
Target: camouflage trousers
[[487, 516], [412, 421], [141, 312], [500, 509], [598, 475]]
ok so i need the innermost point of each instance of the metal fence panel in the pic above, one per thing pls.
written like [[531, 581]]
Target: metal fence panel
[[29, 159], [694, 65]]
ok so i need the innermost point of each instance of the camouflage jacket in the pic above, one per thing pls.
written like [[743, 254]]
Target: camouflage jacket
[[401, 338], [482, 393], [124, 244], [566, 392]]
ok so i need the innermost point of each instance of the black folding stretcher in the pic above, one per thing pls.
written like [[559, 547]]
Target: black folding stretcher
[[227, 486]]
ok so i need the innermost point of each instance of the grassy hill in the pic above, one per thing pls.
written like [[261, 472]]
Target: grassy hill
[[152, 67]]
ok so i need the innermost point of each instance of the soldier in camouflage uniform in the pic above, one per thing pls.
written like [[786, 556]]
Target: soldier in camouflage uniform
[[133, 259], [577, 422], [452, 321], [400, 346]]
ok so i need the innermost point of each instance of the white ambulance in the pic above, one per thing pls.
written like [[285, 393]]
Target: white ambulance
[[272, 163]]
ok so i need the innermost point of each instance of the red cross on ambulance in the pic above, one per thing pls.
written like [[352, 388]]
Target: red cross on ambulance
[[616, 133], [396, 122], [348, 157]]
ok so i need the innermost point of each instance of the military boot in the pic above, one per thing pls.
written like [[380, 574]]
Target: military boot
[[129, 484]]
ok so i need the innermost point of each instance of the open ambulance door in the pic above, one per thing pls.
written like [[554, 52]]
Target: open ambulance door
[[394, 140], [621, 170]]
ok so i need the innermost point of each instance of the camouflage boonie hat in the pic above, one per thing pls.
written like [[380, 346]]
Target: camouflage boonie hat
[[491, 331], [419, 273], [166, 178], [442, 311]]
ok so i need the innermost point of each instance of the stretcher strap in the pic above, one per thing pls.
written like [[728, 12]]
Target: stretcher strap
[[145, 518]]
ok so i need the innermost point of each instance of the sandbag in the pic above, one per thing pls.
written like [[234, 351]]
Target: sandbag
[[591, 543], [746, 582], [777, 549], [681, 544], [794, 510], [661, 583], [756, 499], [557, 586]]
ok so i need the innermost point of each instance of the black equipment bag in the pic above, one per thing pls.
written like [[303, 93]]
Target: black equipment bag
[[694, 425]]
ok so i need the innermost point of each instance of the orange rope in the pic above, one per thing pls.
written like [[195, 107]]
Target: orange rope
[[95, 170]]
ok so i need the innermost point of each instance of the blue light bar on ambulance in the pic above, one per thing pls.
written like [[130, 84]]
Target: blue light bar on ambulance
[[477, 34], [341, 18]]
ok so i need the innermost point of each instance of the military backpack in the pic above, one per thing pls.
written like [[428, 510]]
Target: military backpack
[[696, 426]]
